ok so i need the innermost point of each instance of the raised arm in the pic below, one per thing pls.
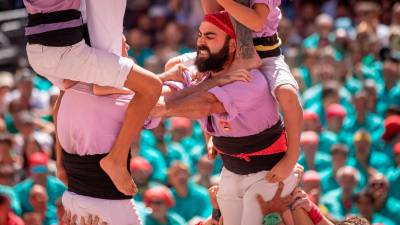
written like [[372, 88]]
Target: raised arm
[[253, 18], [210, 6]]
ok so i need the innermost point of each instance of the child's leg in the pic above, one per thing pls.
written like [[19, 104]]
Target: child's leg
[[246, 54], [147, 87], [106, 90]]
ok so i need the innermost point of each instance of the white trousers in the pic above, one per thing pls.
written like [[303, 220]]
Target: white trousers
[[114, 212], [100, 64], [277, 73], [237, 196]]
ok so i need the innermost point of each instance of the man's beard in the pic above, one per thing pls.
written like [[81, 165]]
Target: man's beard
[[215, 62]]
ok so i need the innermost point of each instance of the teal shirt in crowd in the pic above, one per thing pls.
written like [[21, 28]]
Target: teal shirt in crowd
[[14, 201], [322, 162], [379, 219], [196, 203], [141, 56], [387, 99], [327, 139], [372, 123], [391, 209], [332, 201], [55, 189], [353, 85], [172, 219], [328, 181], [156, 160], [393, 176]]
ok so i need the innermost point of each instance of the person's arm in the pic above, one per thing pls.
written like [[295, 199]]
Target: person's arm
[[210, 6], [220, 80], [293, 118], [306, 212], [195, 106], [253, 18], [61, 174]]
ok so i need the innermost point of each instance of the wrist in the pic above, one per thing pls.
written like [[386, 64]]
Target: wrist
[[272, 219], [315, 214]]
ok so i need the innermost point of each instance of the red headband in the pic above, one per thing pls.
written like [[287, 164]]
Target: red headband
[[222, 21]]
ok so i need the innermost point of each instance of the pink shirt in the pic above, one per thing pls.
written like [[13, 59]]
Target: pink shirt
[[46, 6], [271, 25], [89, 124]]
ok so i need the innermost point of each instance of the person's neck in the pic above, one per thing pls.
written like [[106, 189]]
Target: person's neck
[[346, 195], [389, 84], [380, 203], [310, 159], [162, 147], [361, 117], [160, 218], [182, 191]]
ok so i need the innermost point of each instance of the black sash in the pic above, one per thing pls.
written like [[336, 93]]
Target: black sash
[[85, 177], [250, 144]]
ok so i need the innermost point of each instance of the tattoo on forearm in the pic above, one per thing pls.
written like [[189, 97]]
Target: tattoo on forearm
[[244, 36]]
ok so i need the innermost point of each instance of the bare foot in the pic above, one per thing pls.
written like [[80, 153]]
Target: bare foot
[[119, 175]]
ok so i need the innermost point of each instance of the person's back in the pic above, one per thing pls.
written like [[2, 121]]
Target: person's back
[[48, 6]]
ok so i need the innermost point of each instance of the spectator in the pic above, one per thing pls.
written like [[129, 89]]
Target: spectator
[[394, 173], [160, 200], [53, 188], [384, 204], [391, 136], [203, 177], [340, 155], [38, 198], [141, 171], [366, 157], [365, 205], [7, 216], [186, 193], [310, 158], [339, 202]]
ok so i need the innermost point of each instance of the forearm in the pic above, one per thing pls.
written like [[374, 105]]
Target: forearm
[[244, 37], [293, 118], [253, 19], [210, 6], [202, 87], [194, 106]]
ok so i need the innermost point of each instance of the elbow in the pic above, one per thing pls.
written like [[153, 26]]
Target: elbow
[[258, 25], [154, 88]]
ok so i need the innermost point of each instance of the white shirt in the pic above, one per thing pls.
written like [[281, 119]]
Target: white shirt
[[105, 22]]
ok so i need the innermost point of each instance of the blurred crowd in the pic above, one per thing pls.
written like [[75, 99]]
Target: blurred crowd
[[345, 56]]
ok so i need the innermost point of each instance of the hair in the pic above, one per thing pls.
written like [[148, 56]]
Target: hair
[[330, 89], [340, 148], [347, 169], [364, 193], [354, 220], [3, 199]]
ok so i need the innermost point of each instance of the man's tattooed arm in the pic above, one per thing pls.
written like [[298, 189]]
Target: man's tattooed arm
[[244, 36]]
